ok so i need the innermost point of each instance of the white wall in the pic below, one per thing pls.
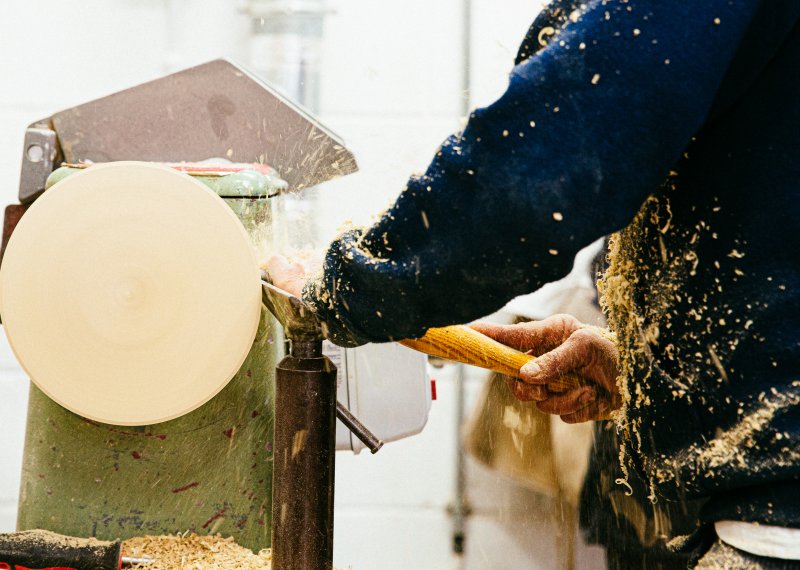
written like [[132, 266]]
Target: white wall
[[391, 85]]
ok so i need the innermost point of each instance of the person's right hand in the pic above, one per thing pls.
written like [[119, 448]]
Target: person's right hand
[[563, 345], [286, 275]]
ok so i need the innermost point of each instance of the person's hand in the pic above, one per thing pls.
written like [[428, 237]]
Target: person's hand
[[286, 275], [563, 345]]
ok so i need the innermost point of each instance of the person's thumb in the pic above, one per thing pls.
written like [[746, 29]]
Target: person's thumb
[[570, 356]]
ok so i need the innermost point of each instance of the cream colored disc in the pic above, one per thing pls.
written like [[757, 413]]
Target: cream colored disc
[[129, 293]]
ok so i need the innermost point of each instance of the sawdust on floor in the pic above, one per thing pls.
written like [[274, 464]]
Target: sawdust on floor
[[194, 552]]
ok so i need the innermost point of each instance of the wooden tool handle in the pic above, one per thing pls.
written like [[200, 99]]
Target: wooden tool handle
[[464, 344]]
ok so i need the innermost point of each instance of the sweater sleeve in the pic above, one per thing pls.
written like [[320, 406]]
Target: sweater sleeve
[[588, 127]]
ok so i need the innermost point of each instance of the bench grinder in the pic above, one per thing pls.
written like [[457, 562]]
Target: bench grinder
[[163, 462]]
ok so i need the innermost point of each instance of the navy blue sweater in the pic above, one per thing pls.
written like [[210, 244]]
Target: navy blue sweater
[[678, 123]]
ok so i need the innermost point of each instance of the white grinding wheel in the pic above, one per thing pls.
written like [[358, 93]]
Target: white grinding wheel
[[130, 293]]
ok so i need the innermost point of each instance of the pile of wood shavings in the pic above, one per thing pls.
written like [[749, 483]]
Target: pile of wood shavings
[[193, 552]]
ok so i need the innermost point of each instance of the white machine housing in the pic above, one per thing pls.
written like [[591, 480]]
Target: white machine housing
[[386, 386]]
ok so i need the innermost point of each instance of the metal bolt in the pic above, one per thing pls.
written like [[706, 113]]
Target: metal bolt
[[35, 153]]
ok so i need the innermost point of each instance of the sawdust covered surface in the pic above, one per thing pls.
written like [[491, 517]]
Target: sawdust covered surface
[[662, 318], [47, 538], [193, 552]]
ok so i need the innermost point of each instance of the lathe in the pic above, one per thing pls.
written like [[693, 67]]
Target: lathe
[[166, 458], [131, 293]]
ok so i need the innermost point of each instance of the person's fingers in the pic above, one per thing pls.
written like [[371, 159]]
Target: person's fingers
[[526, 392], [597, 410], [278, 264], [585, 353], [568, 402], [510, 335], [535, 336], [606, 365], [568, 357], [518, 390], [285, 274]]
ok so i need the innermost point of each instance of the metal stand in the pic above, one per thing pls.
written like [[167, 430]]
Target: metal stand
[[305, 440]]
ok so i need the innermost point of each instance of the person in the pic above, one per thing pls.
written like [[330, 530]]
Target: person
[[674, 126]]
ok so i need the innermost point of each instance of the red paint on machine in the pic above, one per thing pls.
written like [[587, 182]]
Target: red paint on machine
[[218, 515]]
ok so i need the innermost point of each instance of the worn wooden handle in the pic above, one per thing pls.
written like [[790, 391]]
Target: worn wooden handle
[[464, 344]]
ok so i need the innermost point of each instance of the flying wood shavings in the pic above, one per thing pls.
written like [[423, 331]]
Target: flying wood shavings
[[544, 34]]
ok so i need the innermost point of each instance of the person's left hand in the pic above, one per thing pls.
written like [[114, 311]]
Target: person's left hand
[[286, 275], [563, 345]]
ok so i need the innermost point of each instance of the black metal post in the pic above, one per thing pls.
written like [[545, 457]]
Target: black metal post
[[304, 451]]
